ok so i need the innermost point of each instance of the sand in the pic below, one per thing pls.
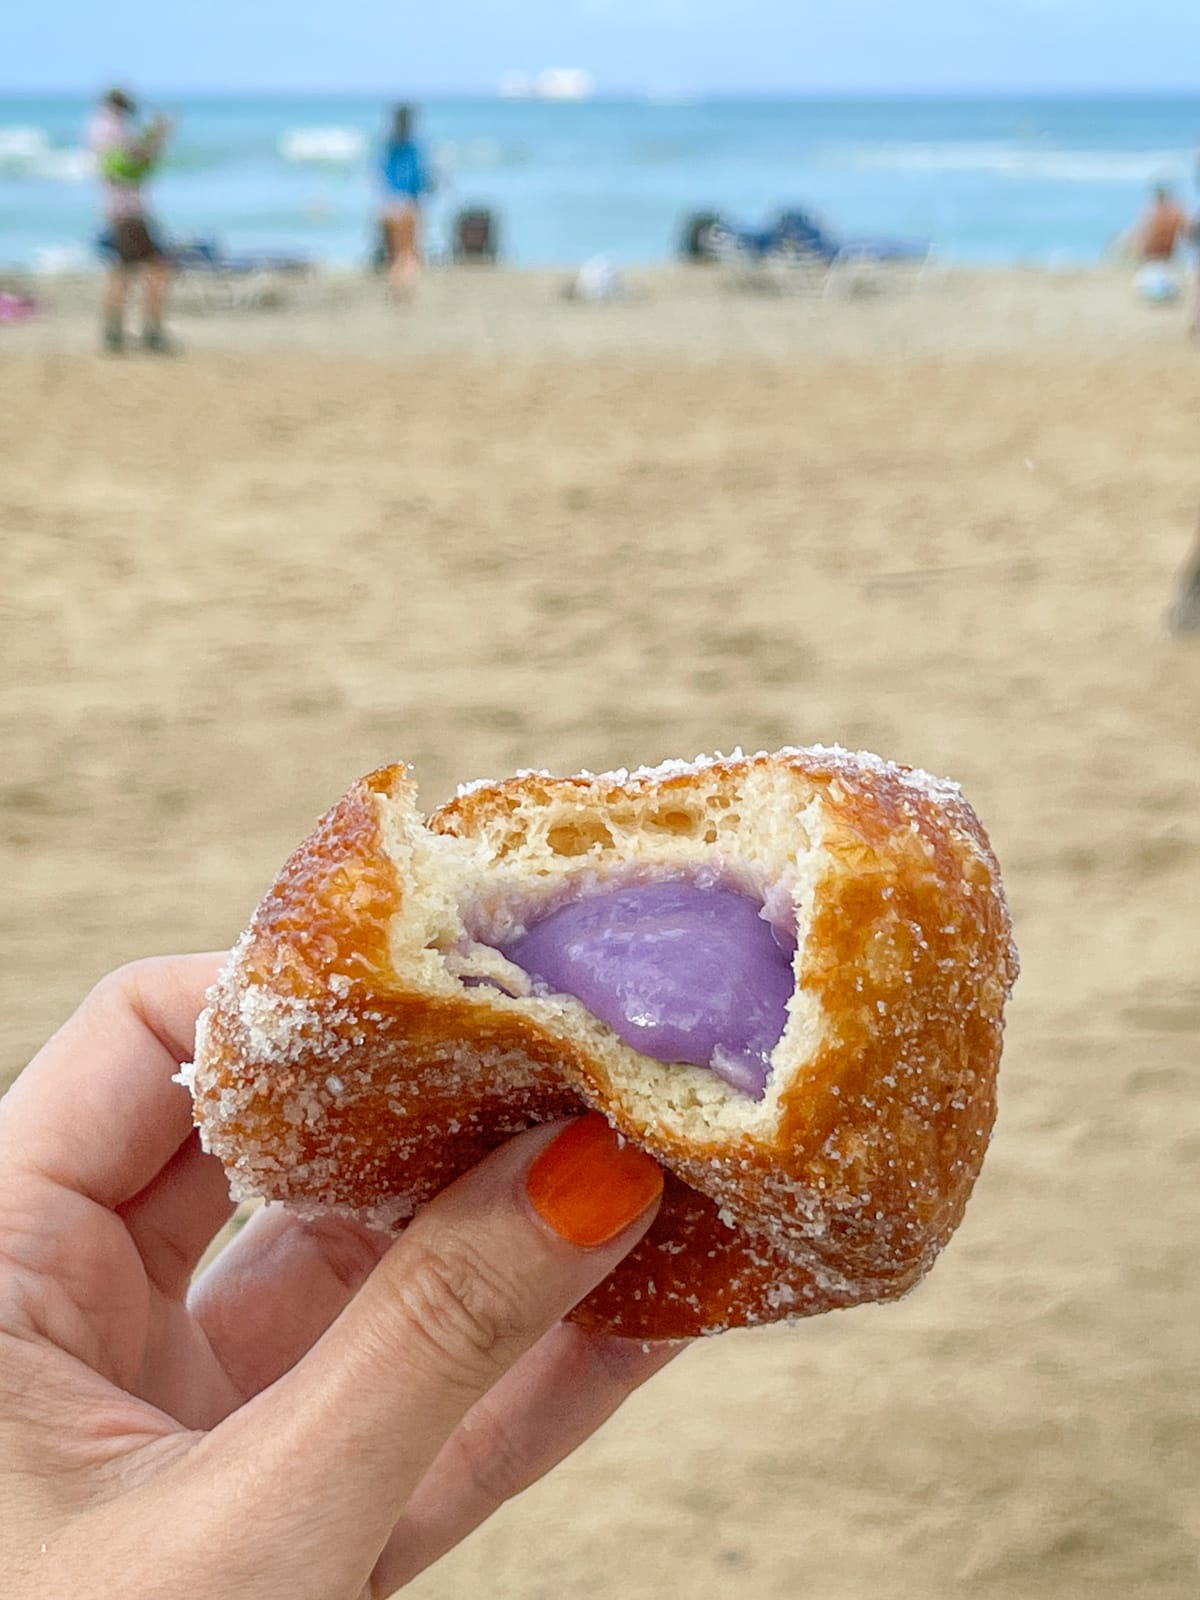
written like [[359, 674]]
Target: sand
[[944, 526], [673, 313]]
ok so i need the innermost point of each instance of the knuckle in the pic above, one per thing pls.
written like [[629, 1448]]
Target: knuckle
[[123, 983], [113, 988], [346, 1249], [465, 1312], [492, 1459], [121, 989]]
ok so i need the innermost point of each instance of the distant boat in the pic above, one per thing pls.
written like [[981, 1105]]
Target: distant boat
[[553, 83], [564, 83], [331, 144]]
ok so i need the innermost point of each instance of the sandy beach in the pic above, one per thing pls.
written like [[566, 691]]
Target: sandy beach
[[675, 313], [497, 529]]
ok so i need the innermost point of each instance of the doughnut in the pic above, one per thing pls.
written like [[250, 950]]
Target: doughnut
[[783, 976]]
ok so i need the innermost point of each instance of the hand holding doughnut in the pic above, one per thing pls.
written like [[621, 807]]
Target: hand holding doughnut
[[323, 1412]]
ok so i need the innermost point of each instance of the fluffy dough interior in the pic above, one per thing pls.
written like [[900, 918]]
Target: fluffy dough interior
[[472, 891]]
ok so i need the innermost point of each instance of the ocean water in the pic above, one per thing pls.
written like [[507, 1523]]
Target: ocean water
[[995, 180]]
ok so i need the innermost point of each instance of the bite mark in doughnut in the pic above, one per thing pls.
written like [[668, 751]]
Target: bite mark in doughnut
[[414, 990]]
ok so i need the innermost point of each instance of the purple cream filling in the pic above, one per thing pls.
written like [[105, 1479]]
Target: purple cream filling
[[678, 971]]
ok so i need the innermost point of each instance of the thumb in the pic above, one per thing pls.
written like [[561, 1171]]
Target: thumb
[[481, 1274]]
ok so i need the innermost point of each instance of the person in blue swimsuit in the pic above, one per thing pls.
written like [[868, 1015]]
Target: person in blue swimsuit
[[405, 184]]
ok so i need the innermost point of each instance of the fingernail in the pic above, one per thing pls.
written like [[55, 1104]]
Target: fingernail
[[589, 1185]]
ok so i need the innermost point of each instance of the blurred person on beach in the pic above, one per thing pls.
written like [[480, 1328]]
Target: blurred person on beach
[[1184, 615], [1162, 229], [322, 1410], [406, 182], [1156, 240], [126, 157]]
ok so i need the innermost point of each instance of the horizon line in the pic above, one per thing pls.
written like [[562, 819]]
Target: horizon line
[[651, 91]]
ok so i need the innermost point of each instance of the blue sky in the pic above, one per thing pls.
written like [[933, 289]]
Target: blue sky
[[694, 45]]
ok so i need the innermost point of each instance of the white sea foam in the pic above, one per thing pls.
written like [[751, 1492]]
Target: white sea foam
[[21, 143], [66, 166], [331, 145], [471, 155], [51, 260], [28, 152], [1032, 162]]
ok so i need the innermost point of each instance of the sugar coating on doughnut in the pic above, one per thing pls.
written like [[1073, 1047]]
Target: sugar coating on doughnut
[[859, 761], [369, 1041]]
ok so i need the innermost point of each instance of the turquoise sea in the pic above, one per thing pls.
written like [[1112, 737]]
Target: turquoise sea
[[998, 179]]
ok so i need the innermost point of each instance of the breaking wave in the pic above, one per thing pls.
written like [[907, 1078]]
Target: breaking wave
[[331, 146], [29, 152], [1029, 162]]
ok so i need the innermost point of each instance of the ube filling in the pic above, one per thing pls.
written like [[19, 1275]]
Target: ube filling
[[679, 971]]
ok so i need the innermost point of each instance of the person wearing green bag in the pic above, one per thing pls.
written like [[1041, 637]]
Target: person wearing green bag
[[126, 157]]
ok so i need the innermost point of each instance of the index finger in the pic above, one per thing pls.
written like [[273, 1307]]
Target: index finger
[[96, 1110], [485, 1270]]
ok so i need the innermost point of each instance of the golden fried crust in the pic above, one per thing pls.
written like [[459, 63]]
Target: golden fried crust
[[322, 1079]]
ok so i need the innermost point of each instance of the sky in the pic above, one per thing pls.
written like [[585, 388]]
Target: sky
[[695, 46]]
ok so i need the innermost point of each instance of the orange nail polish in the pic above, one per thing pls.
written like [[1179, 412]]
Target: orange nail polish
[[588, 1185]]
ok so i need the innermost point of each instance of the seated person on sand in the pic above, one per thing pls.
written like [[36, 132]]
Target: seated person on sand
[[1163, 228], [1156, 241], [126, 156]]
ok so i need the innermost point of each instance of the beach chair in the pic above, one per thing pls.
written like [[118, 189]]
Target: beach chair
[[798, 252], [866, 265], [475, 236], [215, 279], [696, 237], [784, 257]]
